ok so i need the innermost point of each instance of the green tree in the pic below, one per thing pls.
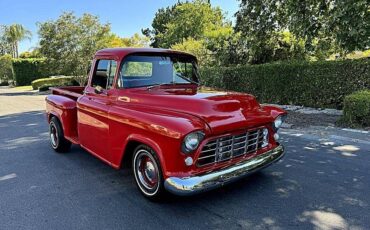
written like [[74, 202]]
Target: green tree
[[332, 25], [159, 25], [5, 47], [195, 26], [136, 40], [195, 47], [113, 41], [261, 24], [69, 43], [13, 35], [197, 20], [6, 68], [322, 27], [34, 53], [349, 24]]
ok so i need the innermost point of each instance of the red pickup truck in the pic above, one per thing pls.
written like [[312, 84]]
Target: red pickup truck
[[144, 108]]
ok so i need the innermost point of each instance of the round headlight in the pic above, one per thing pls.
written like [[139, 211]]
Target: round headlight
[[192, 141], [278, 122]]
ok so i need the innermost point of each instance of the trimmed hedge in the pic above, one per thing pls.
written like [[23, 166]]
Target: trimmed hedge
[[6, 69], [44, 83], [356, 109], [313, 84], [28, 70], [4, 83]]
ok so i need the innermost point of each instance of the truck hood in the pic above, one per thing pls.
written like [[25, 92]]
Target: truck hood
[[222, 111]]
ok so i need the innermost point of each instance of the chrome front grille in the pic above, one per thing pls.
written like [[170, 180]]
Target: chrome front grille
[[231, 146]]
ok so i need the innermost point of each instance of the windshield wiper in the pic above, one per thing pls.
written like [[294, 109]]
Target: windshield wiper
[[159, 84], [187, 79], [173, 82]]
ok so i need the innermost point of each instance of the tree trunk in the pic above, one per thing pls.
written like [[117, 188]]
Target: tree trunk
[[13, 50], [16, 49]]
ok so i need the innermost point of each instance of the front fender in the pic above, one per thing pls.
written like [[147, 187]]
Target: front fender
[[273, 110], [163, 131], [146, 141]]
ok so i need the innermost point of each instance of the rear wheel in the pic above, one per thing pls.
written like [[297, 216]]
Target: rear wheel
[[147, 171], [57, 139]]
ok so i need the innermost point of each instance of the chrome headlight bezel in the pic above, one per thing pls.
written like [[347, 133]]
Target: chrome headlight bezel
[[279, 120], [192, 141]]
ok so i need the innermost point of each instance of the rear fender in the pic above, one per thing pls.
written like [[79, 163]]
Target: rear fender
[[65, 110]]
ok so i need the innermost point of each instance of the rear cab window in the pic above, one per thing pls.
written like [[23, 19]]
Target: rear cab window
[[104, 72]]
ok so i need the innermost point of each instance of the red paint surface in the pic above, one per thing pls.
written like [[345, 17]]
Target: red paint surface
[[160, 117]]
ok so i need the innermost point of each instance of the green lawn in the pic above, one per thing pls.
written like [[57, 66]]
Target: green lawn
[[23, 88]]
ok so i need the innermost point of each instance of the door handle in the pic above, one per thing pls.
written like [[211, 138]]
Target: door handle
[[124, 99]]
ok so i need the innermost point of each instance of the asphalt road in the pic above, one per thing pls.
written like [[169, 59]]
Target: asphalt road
[[322, 183]]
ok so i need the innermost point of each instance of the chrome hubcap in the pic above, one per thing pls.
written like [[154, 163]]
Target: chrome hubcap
[[146, 170], [150, 171], [53, 135]]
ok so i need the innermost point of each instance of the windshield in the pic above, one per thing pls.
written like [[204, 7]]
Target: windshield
[[140, 71]]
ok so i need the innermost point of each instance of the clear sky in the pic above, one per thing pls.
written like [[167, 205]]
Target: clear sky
[[126, 17]]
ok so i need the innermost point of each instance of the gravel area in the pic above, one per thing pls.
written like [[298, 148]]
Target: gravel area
[[302, 120], [302, 117], [309, 110]]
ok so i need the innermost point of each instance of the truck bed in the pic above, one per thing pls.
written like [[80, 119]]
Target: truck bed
[[72, 92], [62, 104]]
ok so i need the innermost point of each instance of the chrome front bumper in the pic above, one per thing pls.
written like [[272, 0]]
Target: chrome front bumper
[[192, 185]]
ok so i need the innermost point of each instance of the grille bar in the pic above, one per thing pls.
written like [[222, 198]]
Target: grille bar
[[206, 157], [228, 147], [208, 150]]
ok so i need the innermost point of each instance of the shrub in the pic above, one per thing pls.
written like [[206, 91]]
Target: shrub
[[45, 83], [28, 70], [314, 84], [4, 83], [356, 109], [6, 69], [45, 87]]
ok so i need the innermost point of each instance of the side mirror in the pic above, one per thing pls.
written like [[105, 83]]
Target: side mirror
[[99, 89]]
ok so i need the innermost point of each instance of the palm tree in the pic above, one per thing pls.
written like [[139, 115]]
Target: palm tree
[[14, 34], [4, 45]]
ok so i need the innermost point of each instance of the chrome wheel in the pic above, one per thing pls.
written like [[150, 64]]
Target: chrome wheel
[[146, 172], [57, 140], [53, 135]]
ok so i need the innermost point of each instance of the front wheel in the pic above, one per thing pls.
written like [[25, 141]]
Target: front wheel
[[57, 139], [148, 174]]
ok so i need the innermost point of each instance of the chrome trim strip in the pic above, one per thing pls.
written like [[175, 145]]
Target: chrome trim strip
[[237, 138], [200, 158], [208, 150], [195, 184]]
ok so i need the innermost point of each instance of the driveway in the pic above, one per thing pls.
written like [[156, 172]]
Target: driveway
[[322, 183]]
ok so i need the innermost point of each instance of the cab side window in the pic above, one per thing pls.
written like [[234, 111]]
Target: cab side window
[[104, 73]]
